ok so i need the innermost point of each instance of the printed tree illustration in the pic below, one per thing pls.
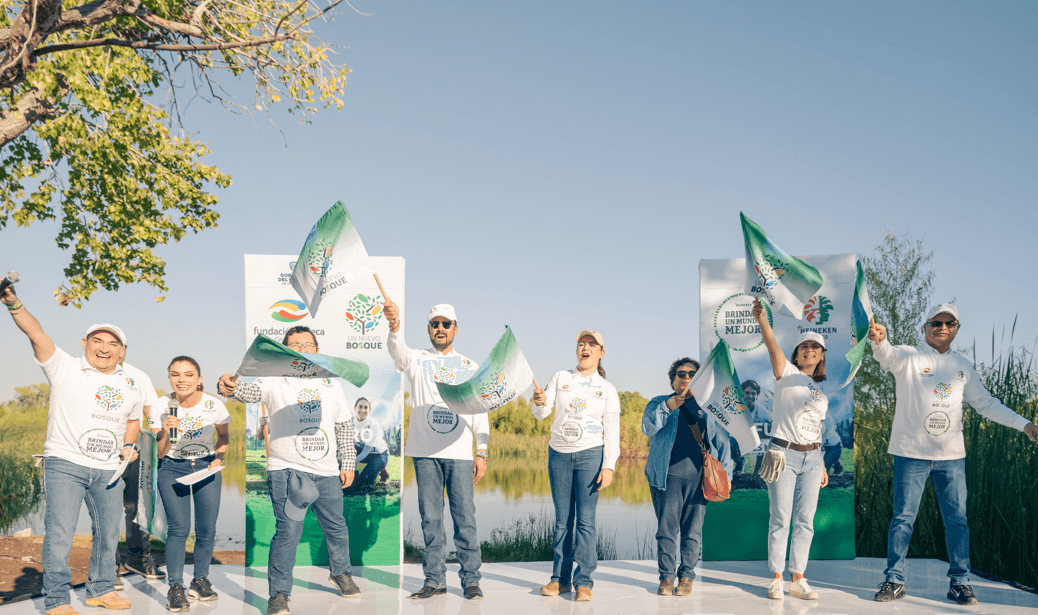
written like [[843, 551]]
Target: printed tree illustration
[[818, 308], [320, 256], [363, 313], [495, 386], [108, 398]]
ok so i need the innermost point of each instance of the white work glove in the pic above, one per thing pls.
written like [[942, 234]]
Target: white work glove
[[773, 465]]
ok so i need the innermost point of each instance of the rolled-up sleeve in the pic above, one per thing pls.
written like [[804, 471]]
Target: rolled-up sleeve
[[655, 416]]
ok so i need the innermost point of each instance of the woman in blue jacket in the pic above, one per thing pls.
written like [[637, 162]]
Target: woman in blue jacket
[[675, 472]]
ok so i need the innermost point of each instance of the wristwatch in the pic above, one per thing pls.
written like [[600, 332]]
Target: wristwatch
[[220, 457], [482, 454]]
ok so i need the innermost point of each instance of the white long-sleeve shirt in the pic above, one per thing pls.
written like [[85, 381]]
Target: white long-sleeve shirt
[[587, 415], [369, 433], [434, 431], [930, 390]]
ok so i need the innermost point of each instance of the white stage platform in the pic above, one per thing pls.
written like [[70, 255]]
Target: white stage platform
[[621, 587]]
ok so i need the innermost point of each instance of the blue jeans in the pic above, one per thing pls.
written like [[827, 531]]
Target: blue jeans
[[680, 511], [432, 476], [949, 479], [67, 485], [376, 462], [176, 500], [794, 495], [575, 494], [328, 510]]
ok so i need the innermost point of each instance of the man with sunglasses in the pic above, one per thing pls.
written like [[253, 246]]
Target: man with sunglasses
[[926, 441], [439, 443]]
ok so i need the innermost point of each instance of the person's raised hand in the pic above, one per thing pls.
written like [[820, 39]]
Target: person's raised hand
[[392, 313], [227, 384], [539, 398], [877, 332]]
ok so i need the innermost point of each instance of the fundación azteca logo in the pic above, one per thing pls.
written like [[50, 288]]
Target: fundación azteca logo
[[816, 311], [288, 310], [364, 313]]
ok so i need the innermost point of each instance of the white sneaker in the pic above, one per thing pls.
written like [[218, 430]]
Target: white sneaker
[[776, 589], [800, 589]]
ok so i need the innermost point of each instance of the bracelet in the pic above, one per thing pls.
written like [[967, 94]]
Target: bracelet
[[15, 308], [133, 445]]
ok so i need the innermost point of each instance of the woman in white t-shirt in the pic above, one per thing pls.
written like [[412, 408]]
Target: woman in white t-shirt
[[792, 465], [201, 438], [582, 453]]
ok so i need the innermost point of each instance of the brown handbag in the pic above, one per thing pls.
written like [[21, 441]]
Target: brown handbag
[[715, 480]]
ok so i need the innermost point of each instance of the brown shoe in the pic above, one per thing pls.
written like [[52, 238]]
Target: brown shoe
[[666, 588], [554, 589], [111, 600], [65, 609], [584, 594], [684, 587]]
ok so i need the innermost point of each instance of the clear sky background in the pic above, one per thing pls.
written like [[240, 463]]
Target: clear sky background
[[556, 166]]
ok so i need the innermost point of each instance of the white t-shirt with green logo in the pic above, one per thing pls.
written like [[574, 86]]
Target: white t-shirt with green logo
[[196, 436], [434, 431], [799, 408], [369, 433], [303, 413], [930, 390], [86, 420], [587, 414]]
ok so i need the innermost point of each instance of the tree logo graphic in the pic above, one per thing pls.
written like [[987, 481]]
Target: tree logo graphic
[[301, 367], [364, 313], [446, 375], [731, 400], [817, 310], [309, 401], [942, 391], [494, 387], [770, 269], [109, 398], [190, 427], [210, 405], [320, 256], [578, 405]]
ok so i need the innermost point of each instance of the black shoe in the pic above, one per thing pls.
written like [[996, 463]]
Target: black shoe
[[473, 592], [344, 583], [144, 566], [963, 594], [278, 605], [176, 601], [202, 589], [890, 591], [428, 592]]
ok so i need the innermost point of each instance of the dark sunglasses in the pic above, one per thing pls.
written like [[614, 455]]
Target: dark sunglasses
[[435, 324], [684, 374], [937, 324]]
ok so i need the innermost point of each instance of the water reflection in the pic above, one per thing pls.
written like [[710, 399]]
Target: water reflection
[[21, 488]]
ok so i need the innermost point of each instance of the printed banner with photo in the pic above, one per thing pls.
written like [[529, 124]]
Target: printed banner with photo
[[350, 326], [726, 313]]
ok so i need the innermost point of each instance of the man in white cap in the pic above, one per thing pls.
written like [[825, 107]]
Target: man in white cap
[[302, 470], [926, 441], [93, 420], [439, 443]]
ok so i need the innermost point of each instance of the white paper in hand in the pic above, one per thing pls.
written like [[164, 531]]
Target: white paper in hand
[[119, 471], [199, 476]]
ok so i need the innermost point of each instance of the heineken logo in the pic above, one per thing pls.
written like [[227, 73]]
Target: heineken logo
[[446, 375], [816, 311], [494, 388], [309, 401], [732, 400], [109, 398], [942, 391], [363, 313], [312, 444], [320, 256], [937, 423]]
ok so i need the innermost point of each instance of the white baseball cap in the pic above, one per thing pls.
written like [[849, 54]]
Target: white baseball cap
[[811, 336], [594, 334], [444, 309], [943, 308], [114, 330]]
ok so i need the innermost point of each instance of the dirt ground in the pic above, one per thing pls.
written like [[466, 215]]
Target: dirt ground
[[21, 567]]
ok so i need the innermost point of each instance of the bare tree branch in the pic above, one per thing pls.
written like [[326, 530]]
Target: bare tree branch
[[32, 107], [114, 42]]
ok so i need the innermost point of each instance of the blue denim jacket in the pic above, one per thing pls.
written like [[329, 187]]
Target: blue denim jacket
[[660, 423]]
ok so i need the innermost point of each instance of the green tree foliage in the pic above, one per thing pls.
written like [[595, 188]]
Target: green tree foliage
[[900, 282], [90, 129]]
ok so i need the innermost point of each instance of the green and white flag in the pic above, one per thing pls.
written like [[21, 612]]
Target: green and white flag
[[267, 358], [861, 315], [150, 513], [785, 282], [717, 391], [332, 256], [498, 380]]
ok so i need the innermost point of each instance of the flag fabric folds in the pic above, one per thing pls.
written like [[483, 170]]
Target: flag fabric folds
[[150, 513], [718, 391], [333, 255], [269, 358], [861, 316], [499, 380], [785, 282]]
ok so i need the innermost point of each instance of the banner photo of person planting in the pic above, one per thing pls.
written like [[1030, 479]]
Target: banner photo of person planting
[[816, 424], [347, 340]]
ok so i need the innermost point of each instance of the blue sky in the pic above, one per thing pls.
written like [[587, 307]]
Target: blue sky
[[556, 166]]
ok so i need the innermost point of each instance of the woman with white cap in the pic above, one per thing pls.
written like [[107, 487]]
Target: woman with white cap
[[582, 453], [793, 465]]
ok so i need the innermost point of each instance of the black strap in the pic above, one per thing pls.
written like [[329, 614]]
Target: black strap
[[694, 427]]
